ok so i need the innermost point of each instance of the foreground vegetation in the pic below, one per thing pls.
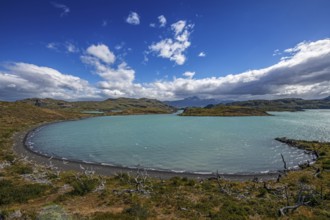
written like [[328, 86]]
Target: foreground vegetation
[[223, 111], [30, 191]]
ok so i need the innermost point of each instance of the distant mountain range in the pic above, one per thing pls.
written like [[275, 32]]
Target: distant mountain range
[[195, 102]]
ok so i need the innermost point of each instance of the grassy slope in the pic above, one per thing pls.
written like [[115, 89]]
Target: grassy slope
[[120, 106], [177, 198], [223, 111], [284, 104]]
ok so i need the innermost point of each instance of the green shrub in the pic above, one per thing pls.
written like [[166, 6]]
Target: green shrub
[[233, 211], [326, 165], [262, 192], [304, 179], [105, 216], [21, 169], [9, 157], [137, 211], [83, 185], [12, 193], [175, 181]]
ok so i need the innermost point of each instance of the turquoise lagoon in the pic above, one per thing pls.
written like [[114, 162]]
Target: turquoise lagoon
[[191, 144]]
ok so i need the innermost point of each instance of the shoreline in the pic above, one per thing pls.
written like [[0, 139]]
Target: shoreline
[[20, 149]]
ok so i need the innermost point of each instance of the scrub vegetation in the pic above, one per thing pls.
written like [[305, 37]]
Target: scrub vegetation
[[223, 111], [29, 190]]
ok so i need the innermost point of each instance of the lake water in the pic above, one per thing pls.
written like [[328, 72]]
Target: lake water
[[195, 144]]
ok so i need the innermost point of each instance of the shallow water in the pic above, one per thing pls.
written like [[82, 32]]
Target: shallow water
[[195, 144]]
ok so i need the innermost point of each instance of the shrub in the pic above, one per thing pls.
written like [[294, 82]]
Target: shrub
[[82, 186], [326, 165], [21, 169], [137, 211], [11, 193], [262, 192], [233, 211], [304, 179], [105, 216]]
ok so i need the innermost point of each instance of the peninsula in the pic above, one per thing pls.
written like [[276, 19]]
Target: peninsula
[[223, 111]]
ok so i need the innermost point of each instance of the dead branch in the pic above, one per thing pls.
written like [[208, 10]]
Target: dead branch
[[317, 173], [300, 202], [140, 181], [284, 163]]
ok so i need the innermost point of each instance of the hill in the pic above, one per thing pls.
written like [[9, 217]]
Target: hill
[[33, 191], [292, 104], [223, 111], [109, 106]]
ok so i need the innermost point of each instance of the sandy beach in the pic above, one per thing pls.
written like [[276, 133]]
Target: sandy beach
[[22, 150]]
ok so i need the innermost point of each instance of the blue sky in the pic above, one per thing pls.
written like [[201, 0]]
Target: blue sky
[[233, 49]]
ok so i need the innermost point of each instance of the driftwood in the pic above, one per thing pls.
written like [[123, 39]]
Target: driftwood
[[284, 209], [140, 181], [222, 188], [317, 173], [284, 163], [300, 202]]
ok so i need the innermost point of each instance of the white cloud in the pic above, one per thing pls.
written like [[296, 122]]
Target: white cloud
[[178, 27], [153, 25], [65, 9], [67, 47], [202, 54], [23, 80], [71, 48], [52, 46], [174, 48], [133, 18], [277, 52], [162, 21], [101, 52], [305, 74], [115, 79], [188, 74], [104, 23]]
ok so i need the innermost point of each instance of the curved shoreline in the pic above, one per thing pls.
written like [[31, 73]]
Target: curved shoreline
[[20, 148]]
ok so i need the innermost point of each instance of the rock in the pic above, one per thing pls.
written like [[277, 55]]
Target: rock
[[15, 215]]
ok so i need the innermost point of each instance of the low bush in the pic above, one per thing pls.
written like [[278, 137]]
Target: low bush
[[82, 186], [21, 169], [12, 193], [137, 211]]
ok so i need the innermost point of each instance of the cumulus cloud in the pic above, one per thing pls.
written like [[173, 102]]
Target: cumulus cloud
[[178, 27], [305, 73], [133, 18], [23, 80], [101, 52], [202, 54], [174, 48], [71, 48], [117, 80], [65, 9], [162, 21], [67, 47], [277, 52], [52, 46], [188, 74]]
